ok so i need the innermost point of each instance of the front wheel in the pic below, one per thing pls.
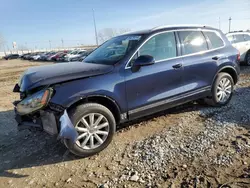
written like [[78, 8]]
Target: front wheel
[[222, 90], [95, 125]]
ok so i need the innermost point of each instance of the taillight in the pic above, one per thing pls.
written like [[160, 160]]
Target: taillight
[[238, 56]]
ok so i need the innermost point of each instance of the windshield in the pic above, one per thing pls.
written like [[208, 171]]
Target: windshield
[[114, 49]]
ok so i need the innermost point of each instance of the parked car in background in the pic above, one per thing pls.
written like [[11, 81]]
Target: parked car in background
[[49, 56], [44, 56], [53, 57], [37, 56], [85, 55], [78, 56], [25, 56], [70, 54], [83, 102], [241, 41], [61, 57], [11, 56], [22, 56], [29, 56]]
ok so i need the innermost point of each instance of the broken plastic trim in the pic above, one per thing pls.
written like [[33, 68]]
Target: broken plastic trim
[[67, 129]]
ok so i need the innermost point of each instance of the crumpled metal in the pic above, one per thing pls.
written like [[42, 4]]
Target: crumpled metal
[[67, 129]]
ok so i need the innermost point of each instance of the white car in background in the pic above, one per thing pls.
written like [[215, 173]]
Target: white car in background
[[70, 54], [37, 56], [241, 41], [74, 55]]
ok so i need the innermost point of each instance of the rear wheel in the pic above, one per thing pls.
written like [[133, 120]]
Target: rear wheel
[[222, 90], [95, 125]]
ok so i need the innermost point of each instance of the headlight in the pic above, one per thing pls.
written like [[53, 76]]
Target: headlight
[[34, 102]]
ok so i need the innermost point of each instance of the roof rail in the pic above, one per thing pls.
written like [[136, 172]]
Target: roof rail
[[181, 25]]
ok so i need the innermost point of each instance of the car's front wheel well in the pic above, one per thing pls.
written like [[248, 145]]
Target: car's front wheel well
[[231, 72], [105, 101]]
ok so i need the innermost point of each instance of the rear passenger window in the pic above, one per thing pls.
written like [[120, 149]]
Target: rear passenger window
[[214, 39], [239, 38], [247, 37], [192, 42], [161, 46]]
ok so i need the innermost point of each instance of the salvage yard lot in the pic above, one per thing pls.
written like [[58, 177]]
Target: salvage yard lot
[[191, 145]]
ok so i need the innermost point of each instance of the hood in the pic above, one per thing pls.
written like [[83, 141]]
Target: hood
[[61, 72]]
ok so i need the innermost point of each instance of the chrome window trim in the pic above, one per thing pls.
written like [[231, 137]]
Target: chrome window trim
[[197, 53]]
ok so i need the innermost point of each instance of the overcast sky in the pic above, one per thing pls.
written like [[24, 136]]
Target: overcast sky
[[33, 23]]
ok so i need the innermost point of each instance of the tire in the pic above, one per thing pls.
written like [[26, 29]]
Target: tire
[[247, 59], [216, 98], [84, 111]]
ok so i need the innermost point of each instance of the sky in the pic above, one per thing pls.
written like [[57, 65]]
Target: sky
[[33, 23]]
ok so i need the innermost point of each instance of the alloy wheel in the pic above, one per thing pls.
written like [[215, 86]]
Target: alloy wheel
[[93, 130], [224, 90]]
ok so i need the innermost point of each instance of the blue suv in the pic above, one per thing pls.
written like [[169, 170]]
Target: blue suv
[[127, 77]]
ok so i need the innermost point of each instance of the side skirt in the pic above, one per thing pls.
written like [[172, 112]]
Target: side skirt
[[168, 103]]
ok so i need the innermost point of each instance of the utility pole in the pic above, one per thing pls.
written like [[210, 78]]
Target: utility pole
[[50, 44], [229, 23], [96, 39], [219, 22], [27, 49], [62, 44]]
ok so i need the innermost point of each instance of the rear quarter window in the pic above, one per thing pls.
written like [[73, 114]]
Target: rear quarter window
[[192, 42], [214, 38]]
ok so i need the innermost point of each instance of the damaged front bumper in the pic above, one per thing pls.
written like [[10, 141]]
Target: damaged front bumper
[[52, 122]]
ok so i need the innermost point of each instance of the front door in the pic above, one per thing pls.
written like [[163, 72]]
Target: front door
[[149, 87]]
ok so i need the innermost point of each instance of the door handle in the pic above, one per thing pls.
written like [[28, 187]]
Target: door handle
[[177, 66], [215, 58]]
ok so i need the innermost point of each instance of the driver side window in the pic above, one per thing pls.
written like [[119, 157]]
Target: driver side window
[[161, 47]]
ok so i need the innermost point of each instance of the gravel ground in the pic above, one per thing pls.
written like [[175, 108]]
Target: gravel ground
[[187, 146]]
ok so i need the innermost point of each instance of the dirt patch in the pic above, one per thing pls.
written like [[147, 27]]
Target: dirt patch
[[188, 146]]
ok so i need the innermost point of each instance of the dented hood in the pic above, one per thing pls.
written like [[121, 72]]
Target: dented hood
[[61, 72]]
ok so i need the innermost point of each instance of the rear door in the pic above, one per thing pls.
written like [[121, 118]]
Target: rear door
[[199, 64]]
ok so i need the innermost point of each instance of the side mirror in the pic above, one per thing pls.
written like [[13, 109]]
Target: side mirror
[[143, 60]]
